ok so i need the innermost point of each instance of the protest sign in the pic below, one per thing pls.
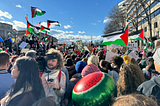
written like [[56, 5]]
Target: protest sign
[[134, 55], [109, 55], [23, 45], [79, 44], [86, 48]]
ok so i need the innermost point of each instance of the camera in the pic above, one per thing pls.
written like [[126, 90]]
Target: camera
[[50, 80]]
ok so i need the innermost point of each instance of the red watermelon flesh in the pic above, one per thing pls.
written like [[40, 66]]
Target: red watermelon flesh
[[88, 82]]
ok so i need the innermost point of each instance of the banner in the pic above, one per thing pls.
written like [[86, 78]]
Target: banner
[[79, 44], [133, 46], [112, 46]]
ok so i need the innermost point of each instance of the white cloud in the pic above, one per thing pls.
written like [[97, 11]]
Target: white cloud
[[94, 24], [66, 37], [2, 18], [81, 32], [19, 25], [106, 20], [44, 24], [19, 6], [7, 22], [5, 14], [69, 32], [67, 26]]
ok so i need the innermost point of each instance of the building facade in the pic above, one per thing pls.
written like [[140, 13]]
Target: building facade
[[4, 30], [144, 14]]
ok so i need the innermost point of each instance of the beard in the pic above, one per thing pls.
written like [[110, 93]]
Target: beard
[[51, 67]]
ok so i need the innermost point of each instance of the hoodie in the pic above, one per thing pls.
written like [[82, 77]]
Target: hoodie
[[151, 87]]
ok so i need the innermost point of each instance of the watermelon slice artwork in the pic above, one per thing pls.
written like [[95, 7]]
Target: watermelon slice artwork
[[95, 89]]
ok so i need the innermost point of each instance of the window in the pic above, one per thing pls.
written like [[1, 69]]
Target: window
[[155, 25], [145, 29]]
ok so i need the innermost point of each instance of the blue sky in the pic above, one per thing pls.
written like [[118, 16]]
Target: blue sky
[[78, 18]]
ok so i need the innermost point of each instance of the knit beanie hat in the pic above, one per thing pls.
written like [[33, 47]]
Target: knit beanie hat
[[127, 59], [68, 62], [79, 66], [90, 68]]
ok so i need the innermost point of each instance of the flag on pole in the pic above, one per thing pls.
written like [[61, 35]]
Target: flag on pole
[[44, 29], [13, 39], [149, 42], [138, 36], [9, 33], [49, 38], [49, 23], [27, 33], [121, 39], [36, 11], [26, 18], [14, 31], [10, 39], [33, 29], [45, 39]]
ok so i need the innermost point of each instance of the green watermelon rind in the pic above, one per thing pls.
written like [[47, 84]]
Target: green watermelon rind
[[79, 93], [111, 91]]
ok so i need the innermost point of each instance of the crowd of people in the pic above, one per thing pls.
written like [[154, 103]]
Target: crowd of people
[[48, 77]]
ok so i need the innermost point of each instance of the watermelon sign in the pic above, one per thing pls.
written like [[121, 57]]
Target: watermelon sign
[[95, 89]]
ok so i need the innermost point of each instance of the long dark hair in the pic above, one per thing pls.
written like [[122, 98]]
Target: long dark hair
[[28, 76]]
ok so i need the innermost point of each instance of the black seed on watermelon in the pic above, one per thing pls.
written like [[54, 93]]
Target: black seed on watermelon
[[99, 88]]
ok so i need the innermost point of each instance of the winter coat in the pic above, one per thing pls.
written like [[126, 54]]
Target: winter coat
[[151, 88], [71, 70], [20, 98], [51, 92]]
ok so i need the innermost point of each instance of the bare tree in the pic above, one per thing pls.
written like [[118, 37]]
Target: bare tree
[[117, 18], [145, 5], [146, 8]]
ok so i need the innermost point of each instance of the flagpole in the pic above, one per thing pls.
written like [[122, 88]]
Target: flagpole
[[16, 46], [31, 14]]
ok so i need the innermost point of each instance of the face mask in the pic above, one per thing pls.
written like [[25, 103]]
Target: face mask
[[112, 65]]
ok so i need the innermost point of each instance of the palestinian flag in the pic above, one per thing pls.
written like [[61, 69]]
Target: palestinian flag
[[121, 39], [14, 31], [9, 33], [36, 11], [49, 38], [33, 29], [49, 23], [27, 33], [44, 29], [138, 36], [149, 42], [45, 39]]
